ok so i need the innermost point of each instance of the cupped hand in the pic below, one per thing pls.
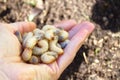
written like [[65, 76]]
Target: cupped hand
[[13, 68]]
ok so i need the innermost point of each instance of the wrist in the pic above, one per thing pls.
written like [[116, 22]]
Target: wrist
[[3, 76]]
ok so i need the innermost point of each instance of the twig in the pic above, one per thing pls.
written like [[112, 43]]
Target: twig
[[85, 58]]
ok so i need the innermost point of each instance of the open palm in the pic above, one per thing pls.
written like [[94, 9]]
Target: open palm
[[13, 68]]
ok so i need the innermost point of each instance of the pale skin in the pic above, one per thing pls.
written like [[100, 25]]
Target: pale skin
[[13, 68]]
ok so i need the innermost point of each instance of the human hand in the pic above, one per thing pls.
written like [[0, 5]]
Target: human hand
[[13, 68]]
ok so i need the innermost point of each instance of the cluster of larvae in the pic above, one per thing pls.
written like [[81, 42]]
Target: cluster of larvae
[[44, 45]]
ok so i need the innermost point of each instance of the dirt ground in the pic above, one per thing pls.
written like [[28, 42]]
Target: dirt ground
[[102, 48]]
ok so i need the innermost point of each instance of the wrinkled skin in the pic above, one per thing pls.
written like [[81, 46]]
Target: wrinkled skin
[[13, 68]]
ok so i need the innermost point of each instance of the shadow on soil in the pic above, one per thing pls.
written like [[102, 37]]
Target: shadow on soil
[[106, 13], [74, 66]]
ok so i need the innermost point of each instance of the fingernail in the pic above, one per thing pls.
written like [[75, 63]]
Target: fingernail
[[88, 26], [66, 24]]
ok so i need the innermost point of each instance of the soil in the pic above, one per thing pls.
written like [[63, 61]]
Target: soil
[[102, 48]]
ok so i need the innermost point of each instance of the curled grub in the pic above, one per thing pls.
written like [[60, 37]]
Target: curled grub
[[26, 55], [54, 47], [49, 57], [44, 45]]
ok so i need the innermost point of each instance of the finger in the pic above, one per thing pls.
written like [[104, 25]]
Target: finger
[[67, 24], [72, 48], [84, 25], [23, 26]]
